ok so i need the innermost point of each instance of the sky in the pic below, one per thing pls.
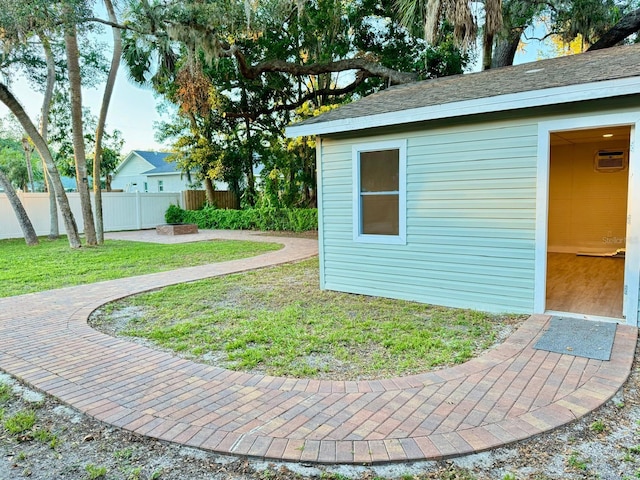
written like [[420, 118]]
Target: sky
[[132, 109]]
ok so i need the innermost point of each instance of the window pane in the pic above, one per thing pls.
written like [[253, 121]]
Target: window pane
[[380, 214], [379, 171]]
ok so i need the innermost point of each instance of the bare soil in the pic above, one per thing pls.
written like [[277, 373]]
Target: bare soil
[[603, 445]]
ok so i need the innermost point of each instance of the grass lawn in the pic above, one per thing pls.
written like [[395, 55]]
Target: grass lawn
[[52, 264], [277, 321]]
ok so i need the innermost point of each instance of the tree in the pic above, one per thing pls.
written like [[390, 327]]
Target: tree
[[41, 146], [12, 161], [77, 130], [626, 26], [20, 22], [506, 21], [236, 105], [28, 150], [23, 219], [106, 99], [54, 231]]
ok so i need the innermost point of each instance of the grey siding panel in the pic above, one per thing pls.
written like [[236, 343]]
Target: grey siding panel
[[470, 220]]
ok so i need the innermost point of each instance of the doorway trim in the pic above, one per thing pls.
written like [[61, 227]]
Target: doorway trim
[[632, 256]]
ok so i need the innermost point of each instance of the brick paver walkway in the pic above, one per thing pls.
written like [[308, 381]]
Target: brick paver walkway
[[508, 394]]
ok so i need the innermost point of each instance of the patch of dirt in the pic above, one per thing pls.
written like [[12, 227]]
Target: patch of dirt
[[604, 445]]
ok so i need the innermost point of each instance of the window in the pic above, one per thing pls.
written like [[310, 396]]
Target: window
[[380, 192], [146, 187], [160, 186]]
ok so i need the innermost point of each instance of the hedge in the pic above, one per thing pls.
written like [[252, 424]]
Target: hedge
[[276, 219]]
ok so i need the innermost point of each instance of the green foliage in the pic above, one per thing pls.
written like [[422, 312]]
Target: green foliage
[[94, 472], [20, 422], [228, 122], [576, 462], [61, 139], [156, 474], [174, 214], [13, 164], [598, 426], [46, 436], [5, 393], [51, 264], [124, 454], [266, 219]]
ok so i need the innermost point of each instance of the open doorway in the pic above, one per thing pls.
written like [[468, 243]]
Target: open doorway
[[587, 221]]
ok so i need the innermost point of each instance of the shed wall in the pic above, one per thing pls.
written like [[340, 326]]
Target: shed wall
[[471, 201]]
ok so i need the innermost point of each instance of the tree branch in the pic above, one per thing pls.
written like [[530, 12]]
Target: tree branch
[[627, 25], [360, 78], [111, 24], [372, 68]]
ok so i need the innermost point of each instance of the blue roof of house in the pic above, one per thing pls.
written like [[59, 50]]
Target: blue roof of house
[[159, 162]]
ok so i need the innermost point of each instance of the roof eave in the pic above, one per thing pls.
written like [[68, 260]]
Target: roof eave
[[155, 174], [499, 103]]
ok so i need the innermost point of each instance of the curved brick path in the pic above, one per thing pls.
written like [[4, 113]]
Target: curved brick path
[[508, 394]]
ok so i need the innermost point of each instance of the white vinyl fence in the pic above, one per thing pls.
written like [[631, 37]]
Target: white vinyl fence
[[120, 211]]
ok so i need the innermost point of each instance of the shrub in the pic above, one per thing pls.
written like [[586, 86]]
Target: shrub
[[265, 218], [174, 214]]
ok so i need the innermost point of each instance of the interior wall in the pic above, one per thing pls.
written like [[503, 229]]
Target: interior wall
[[587, 209]]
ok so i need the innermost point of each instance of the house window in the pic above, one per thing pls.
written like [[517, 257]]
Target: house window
[[160, 186], [380, 192], [146, 187]]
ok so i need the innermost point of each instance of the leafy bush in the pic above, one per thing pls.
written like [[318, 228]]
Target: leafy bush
[[265, 218], [174, 214]]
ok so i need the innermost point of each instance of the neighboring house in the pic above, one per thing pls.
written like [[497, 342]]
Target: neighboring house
[[143, 171], [497, 190]]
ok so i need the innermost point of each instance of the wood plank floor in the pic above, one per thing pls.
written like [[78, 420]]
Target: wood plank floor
[[587, 285]]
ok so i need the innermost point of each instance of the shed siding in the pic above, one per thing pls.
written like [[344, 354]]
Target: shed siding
[[471, 202]]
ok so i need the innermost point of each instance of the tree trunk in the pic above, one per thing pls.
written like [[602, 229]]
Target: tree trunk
[[487, 50], [506, 48], [54, 229], [77, 132], [208, 188], [23, 219], [106, 99], [14, 106], [27, 158], [627, 25], [250, 194]]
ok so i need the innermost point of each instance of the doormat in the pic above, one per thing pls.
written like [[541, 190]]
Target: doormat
[[582, 338]]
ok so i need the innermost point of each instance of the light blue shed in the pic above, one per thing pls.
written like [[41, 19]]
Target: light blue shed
[[510, 190]]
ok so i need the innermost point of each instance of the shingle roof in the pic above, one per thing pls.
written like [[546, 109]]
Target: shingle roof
[[158, 160], [597, 66]]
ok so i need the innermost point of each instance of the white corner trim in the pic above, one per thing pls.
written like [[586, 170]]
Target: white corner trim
[[320, 203], [499, 103]]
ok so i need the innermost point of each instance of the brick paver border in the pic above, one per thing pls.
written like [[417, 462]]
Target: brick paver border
[[508, 394]]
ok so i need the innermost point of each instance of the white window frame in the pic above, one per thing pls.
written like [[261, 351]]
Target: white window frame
[[358, 236], [160, 186]]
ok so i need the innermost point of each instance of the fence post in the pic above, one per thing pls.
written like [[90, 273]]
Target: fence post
[[138, 211]]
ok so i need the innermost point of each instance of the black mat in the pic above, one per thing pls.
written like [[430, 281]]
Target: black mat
[[582, 338]]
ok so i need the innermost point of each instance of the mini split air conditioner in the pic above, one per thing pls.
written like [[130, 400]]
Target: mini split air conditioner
[[608, 161]]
